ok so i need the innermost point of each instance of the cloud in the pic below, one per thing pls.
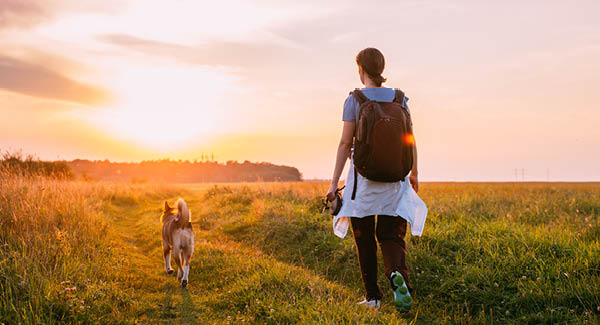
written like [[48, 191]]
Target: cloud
[[250, 61], [38, 81], [157, 48], [232, 54], [29, 13], [21, 13]]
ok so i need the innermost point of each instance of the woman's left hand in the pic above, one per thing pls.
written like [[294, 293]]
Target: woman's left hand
[[414, 182], [331, 192]]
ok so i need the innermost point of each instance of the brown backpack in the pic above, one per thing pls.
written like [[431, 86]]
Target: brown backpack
[[383, 140]]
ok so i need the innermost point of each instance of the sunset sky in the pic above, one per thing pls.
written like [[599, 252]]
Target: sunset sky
[[493, 86]]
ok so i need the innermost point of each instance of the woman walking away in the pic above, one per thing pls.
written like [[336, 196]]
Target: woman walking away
[[380, 193]]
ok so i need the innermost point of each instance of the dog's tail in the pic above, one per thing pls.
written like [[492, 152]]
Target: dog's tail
[[183, 215]]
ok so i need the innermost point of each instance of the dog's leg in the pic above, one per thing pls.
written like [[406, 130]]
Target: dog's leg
[[186, 271], [167, 256], [187, 256], [177, 256]]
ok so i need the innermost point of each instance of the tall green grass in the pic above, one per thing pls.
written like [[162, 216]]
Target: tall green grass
[[522, 253]]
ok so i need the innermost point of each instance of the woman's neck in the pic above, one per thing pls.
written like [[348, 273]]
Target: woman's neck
[[370, 84]]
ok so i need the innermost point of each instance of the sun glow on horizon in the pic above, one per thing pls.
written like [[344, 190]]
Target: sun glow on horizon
[[164, 105]]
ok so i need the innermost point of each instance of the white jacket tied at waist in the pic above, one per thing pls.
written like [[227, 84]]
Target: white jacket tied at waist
[[377, 198]]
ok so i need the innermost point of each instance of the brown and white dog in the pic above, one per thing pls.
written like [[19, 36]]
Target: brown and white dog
[[178, 237]]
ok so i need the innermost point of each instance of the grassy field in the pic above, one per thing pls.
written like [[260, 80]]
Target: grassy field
[[81, 252]]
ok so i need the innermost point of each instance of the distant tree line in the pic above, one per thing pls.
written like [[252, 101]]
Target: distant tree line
[[184, 171], [178, 171], [16, 163]]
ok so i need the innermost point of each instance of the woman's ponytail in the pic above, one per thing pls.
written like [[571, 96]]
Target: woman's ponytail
[[378, 80]]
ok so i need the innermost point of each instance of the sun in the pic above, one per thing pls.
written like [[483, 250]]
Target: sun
[[164, 106]]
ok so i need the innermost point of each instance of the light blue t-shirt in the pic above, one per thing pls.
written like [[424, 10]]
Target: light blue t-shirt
[[381, 94]]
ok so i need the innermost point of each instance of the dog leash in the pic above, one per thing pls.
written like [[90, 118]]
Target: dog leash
[[338, 195]]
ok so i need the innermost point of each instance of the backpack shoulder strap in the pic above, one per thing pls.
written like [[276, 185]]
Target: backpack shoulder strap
[[359, 96], [399, 98]]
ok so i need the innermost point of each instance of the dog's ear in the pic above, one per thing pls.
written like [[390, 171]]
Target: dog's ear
[[167, 207]]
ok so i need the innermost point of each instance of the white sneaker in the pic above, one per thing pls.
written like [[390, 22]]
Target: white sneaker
[[374, 304]]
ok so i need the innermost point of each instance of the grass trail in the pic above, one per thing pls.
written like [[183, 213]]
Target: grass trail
[[230, 282]]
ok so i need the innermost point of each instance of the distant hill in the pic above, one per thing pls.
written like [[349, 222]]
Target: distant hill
[[184, 171]]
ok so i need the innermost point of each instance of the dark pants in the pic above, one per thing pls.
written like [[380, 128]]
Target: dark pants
[[390, 234]]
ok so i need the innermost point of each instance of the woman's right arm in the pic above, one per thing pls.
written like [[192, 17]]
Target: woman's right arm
[[343, 152]]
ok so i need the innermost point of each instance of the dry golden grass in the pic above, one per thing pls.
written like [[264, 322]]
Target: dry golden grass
[[57, 247]]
